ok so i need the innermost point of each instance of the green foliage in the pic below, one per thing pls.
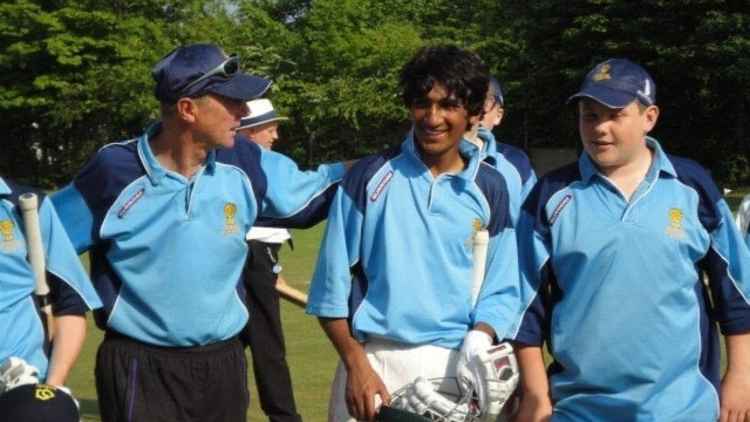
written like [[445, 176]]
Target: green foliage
[[76, 75]]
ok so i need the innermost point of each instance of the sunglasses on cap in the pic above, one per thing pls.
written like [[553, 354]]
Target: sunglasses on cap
[[225, 69]]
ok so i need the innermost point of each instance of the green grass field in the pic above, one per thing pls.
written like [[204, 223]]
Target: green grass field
[[311, 357]]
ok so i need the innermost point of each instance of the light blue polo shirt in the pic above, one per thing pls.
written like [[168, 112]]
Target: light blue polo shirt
[[167, 251], [616, 289], [21, 328], [515, 167], [406, 237]]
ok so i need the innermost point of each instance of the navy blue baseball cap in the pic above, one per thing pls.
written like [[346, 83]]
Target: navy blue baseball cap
[[197, 69], [497, 91], [615, 83]]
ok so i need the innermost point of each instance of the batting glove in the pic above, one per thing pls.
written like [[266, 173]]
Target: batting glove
[[474, 343], [15, 372]]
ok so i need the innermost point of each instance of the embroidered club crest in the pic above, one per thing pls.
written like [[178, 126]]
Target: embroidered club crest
[[6, 231], [674, 228], [230, 211], [603, 73]]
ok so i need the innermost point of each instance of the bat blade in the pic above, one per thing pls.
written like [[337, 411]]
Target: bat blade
[[29, 210]]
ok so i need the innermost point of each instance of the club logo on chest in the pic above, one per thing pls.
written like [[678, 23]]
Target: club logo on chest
[[674, 228], [6, 231], [230, 225]]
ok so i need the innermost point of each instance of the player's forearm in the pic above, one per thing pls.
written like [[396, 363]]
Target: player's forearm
[[70, 333], [738, 353], [533, 374], [349, 349]]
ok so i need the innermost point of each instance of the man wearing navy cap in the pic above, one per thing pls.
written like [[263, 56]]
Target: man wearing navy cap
[[613, 250], [164, 217]]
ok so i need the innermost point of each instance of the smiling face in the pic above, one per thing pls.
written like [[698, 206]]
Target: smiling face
[[612, 137], [440, 121]]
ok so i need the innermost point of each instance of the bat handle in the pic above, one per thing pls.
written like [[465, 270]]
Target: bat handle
[[480, 243]]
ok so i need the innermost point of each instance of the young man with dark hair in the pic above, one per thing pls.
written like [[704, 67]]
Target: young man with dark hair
[[402, 224], [613, 250], [165, 216]]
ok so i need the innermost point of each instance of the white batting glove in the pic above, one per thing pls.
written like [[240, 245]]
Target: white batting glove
[[15, 372], [475, 342]]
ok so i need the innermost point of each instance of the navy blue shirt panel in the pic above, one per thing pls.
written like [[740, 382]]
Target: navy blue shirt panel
[[731, 309], [99, 183], [497, 198], [710, 358], [355, 185], [550, 184], [518, 158], [356, 179], [315, 212], [105, 176], [245, 154]]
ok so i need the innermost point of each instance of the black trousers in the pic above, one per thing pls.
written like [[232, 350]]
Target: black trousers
[[264, 335], [137, 382]]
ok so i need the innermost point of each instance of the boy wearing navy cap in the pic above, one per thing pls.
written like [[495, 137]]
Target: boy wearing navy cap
[[613, 250], [164, 216], [510, 161]]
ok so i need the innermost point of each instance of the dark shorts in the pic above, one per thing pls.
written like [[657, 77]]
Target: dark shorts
[[136, 382]]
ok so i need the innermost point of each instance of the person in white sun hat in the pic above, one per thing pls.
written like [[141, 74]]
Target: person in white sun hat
[[263, 333]]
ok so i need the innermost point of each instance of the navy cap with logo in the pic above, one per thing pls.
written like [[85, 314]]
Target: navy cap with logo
[[38, 403], [197, 69], [616, 83]]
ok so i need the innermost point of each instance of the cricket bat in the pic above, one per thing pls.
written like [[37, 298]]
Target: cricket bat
[[29, 209], [291, 294], [480, 243]]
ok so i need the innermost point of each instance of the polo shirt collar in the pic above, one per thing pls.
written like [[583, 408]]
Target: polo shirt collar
[[660, 163], [153, 167], [466, 148], [4, 189], [489, 145]]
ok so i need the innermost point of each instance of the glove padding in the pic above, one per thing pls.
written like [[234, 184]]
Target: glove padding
[[15, 372], [494, 378], [474, 343], [422, 398]]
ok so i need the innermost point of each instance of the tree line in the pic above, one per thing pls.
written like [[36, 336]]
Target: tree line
[[75, 75]]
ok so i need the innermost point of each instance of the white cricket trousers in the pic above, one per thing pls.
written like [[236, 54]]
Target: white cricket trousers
[[397, 364]]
